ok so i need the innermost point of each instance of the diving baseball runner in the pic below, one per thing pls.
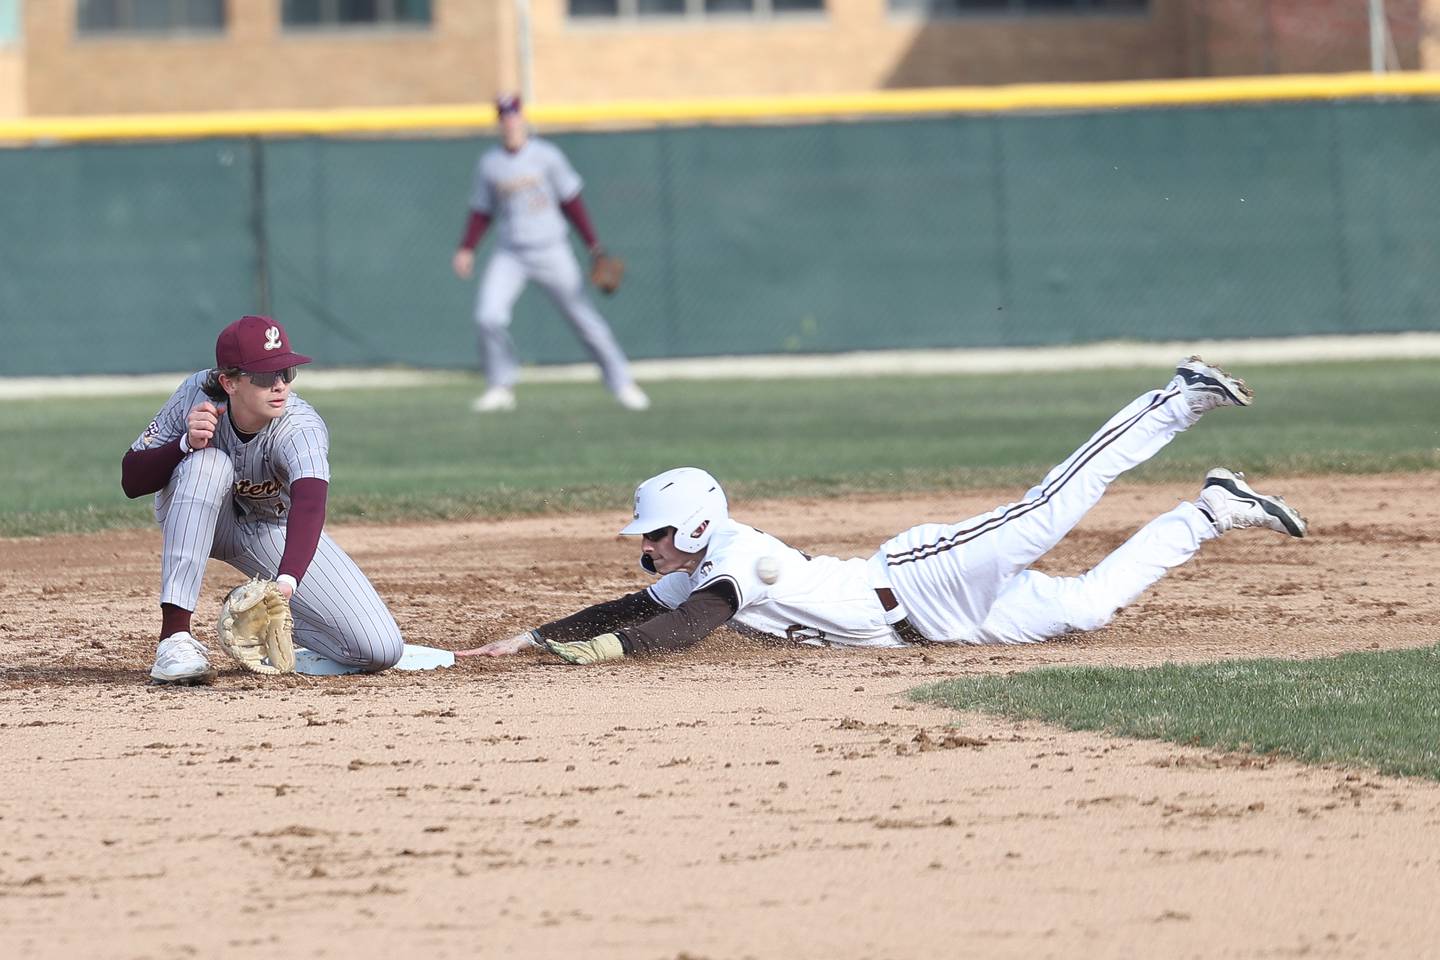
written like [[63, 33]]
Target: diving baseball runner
[[966, 582], [241, 468], [527, 184]]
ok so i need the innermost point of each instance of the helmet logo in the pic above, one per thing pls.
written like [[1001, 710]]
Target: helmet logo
[[695, 534]]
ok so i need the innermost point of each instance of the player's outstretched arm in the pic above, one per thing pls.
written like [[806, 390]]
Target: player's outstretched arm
[[635, 623], [525, 640], [670, 632]]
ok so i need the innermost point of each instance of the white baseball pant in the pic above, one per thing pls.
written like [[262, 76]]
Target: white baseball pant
[[952, 577]]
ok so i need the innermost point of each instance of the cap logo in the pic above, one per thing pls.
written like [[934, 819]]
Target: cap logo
[[272, 339]]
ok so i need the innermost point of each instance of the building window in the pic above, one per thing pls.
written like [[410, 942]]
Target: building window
[[347, 14], [693, 9], [150, 16], [1006, 7], [9, 22]]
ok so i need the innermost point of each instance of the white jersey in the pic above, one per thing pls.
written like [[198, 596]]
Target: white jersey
[[814, 600], [293, 446], [523, 191]]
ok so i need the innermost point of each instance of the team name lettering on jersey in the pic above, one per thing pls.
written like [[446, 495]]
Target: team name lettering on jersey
[[518, 185], [256, 491]]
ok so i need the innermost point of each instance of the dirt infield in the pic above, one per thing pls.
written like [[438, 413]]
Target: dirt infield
[[744, 801]]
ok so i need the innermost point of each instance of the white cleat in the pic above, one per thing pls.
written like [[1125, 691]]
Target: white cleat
[[180, 659], [1232, 503], [631, 397], [494, 399], [1207, 386]]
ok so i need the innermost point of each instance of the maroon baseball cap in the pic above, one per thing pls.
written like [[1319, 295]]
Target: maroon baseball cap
[[255, 345], [507, 103]]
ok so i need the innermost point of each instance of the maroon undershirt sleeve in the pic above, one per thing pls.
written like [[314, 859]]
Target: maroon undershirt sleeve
[[302, 528], [475, 228], [575, 212], [147, 471], [703, 612]]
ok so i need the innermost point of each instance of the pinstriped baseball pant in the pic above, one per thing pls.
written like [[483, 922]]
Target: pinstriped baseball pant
[[337, 612], [951, 577]]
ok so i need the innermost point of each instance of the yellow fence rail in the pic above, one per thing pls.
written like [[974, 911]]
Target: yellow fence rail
[[998, 99]]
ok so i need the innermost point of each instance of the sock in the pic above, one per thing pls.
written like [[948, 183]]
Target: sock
[[173, 620]]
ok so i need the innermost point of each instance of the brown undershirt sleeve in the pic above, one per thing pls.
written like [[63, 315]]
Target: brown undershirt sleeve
[[702, 612], [607, 617]]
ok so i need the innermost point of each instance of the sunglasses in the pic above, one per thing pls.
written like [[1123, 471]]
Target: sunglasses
[[655, 536], [267, 380]]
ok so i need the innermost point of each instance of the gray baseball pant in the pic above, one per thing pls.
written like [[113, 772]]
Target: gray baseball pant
[[556, 270]]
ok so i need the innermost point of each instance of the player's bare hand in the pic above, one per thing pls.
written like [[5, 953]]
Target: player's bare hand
[[202, 423], [463, 263], [501, 648]]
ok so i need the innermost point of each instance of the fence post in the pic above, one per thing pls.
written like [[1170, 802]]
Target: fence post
[[258, 229]]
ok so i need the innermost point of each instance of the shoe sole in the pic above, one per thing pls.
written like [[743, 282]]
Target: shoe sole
[[1237, 390], [191, 680], [1235, 485]]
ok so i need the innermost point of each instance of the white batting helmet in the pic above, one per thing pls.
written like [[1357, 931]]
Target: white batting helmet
[[686, 498]]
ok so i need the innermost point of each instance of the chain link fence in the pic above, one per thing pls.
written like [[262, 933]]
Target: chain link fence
[[1272, 219]]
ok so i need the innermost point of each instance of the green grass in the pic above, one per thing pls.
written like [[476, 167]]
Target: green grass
[[1379, 710], [420, 453]]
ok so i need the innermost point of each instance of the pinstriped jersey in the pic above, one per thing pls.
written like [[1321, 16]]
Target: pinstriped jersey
[[523, 191], [293, 446], [815, 600]]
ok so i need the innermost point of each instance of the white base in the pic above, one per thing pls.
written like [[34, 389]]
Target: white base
[[415, 657]]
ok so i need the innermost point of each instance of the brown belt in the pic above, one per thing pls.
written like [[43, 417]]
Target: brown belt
[[903, 628]]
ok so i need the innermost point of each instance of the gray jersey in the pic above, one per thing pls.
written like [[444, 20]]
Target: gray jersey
[[294, 446], [522, 192]]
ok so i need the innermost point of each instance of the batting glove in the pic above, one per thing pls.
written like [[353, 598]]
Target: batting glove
[[607, 646]]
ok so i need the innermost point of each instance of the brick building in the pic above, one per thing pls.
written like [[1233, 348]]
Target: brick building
[[74, 57]]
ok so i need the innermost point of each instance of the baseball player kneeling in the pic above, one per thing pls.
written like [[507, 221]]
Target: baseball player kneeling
[[966, 582], [242, 471]]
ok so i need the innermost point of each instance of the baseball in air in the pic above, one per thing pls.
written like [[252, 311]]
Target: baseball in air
[[767, 569]]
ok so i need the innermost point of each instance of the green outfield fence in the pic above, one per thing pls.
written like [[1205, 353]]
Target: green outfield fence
[[931, 222]]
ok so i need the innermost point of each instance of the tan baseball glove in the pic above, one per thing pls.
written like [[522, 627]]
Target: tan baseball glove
[[606, 272], [256, 628], [607, 646]]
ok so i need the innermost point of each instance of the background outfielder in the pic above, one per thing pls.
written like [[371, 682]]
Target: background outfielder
[[965, 582], [241, 467], [526, 184]]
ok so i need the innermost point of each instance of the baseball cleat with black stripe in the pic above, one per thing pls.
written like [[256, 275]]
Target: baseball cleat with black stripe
[[1206, 386], [1232, 503]]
